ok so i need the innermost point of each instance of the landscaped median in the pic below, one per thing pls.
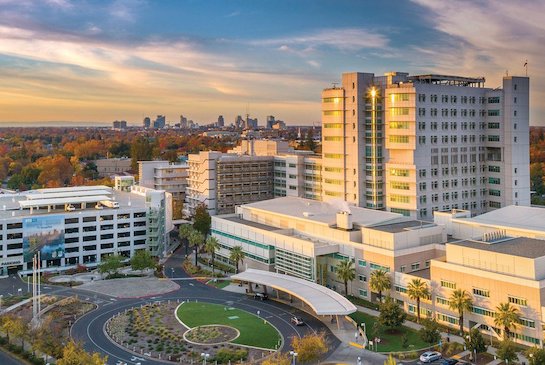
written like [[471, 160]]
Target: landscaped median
[[254, 331], [390, 340]]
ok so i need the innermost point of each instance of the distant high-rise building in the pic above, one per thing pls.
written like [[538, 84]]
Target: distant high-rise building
[[250, 123], [147, 122], [270, 121], [183, 122], [159, 122], [120, 124], [239, 122], [221, 121]]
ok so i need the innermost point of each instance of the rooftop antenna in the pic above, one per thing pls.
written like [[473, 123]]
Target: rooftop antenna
[[334, 84], [526, 67]]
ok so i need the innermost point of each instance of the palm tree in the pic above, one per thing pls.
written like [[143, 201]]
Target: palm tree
[[346, 272], [236, 255], [211, 246], [507, 317], [379, 282], [460, 301], [184, 232], [196, 239], [415, 290]]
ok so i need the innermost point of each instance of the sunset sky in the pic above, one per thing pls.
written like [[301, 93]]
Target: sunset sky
[[63, 60]]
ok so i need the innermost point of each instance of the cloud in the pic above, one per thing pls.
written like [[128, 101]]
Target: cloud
[[125, 10], [345, 39], [233, 14], [489, 37]]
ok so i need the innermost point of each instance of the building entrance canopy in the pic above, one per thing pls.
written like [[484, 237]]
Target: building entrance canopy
[[322, 300]]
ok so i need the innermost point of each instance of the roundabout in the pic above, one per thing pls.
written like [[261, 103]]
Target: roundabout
[[91, 329]]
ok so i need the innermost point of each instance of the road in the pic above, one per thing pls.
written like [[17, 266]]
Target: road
[[89, 328]]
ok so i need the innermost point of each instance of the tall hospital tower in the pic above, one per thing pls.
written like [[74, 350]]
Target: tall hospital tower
[[418, 144]]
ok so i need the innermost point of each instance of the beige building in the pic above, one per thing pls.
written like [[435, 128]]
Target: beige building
[[163, 175], [497, 257], [112, 166]]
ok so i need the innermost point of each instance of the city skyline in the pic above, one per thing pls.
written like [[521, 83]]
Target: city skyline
[[100, 61]]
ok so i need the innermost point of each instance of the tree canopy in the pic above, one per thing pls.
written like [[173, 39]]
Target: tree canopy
[[142, 260], [202, 220]]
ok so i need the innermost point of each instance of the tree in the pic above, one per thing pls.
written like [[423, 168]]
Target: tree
[[415, 290], [280, 358], [74, 354], [56, 171], [391, 314], [535, 356], [142, 260], [309, 142], [346, 272], [184, 232], [196, 240], [430, 331], [390, 360], [507, 351], [13, 325], [475, 341], [211, 246], [460, 301], [236, 255], [507, 317], [202, 220], [310, 348], [110, 264], [141, 150], [379, 282]]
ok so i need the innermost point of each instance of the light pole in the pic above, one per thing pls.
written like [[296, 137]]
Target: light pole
[[204, 357], [293, 355]]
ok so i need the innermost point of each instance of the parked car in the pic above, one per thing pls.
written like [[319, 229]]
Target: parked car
[[298, 321], [261, 296], [430, 356], [449, 362]]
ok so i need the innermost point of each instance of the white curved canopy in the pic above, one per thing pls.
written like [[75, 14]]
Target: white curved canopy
[[322, 300]]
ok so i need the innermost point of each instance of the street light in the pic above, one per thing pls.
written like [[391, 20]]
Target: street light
[[293, 355], [204, 357]]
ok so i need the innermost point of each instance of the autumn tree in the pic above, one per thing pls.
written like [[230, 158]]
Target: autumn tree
[[310, 348], [56, 171], [74, 354], [141, 150]]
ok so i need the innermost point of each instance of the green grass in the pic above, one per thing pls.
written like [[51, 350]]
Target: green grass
[[391, 341], [220, 284], [253, 330]]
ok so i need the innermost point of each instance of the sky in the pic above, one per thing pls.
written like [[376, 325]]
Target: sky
[[98, 61]]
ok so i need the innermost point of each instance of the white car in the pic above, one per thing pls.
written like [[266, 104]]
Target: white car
[[430, 356]]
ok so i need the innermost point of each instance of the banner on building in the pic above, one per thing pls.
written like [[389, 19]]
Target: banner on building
[[44, 234]]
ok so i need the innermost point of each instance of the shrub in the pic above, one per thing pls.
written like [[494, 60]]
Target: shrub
[[223, 356]]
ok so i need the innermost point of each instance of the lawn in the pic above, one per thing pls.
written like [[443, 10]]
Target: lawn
[[220, 284], [253, 330], [391, 341]]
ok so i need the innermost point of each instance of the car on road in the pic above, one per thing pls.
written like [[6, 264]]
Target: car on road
[[430, 356], [261, 296], [298, 321], [449, 362]]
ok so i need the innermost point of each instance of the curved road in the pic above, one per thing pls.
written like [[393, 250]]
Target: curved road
[[89, 328]]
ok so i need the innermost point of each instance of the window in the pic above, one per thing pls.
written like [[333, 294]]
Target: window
[[481, 292], [399, 185], [336, 113], [399, 97], [494, 113], [442, 301], [362, 263], [399, 125], [516, 300], [494, 180], [402, 268], [399, 172], [400, 289], [362, 278], [493, 125], [333, 138], [398, 139], [333, 155], [448, 284], [446, 318], [482, 311], [415, 266], [494, 169], [494, 100], [374, 266], [527, 322], [493, 138], [363, 293], [333, 125], [399, 111], [400, 198]]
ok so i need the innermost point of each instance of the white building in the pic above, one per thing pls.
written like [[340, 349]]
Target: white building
[[81, 225], [419, 144], [164, 175]]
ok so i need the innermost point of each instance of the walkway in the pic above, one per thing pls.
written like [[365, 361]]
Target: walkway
[[131, 287]]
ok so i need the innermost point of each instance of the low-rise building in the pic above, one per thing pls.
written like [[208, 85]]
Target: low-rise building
[[112, 166], [80, 225]]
